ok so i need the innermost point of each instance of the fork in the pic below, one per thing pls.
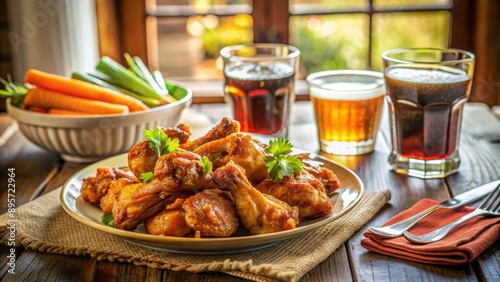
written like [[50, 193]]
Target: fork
[[489, 207]]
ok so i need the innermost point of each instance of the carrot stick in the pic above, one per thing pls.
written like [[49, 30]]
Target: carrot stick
[[63, 112], [39, 97], [81, 89], [38, 109]]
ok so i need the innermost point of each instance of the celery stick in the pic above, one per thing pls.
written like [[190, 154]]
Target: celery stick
[[161, 81], [126, 78], [134, 68], [147, 75], [150, 102]]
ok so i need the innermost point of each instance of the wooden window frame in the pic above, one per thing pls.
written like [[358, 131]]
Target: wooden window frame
[[123, 27]]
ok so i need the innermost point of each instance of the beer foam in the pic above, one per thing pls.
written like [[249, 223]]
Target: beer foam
[[438, 75], [348, 91], [275, 70]]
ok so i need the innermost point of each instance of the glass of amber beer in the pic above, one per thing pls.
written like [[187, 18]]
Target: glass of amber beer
[[259, 85], [426, 91], [347, 106]]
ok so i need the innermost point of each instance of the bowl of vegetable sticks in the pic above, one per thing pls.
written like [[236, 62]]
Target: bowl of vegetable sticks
[[91, 116]]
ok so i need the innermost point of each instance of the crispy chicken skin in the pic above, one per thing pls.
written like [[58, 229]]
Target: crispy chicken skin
[[303, 191], [325, 175], [95, 187], [182, 170], [107, 201], [140, 201], [211, 213], [226, 127], [141, 158], [260, 213], [242, 149], [169, 222]]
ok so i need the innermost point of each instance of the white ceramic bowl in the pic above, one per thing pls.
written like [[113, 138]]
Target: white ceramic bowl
[[91, 138]]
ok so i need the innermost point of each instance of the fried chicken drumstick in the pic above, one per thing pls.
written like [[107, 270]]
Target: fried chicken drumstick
[[141, 158], [242, 149], [211, 213], [303, 191], [226, 127], [260, 213]]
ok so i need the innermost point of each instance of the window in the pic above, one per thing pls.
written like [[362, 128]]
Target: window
[[183, 36]]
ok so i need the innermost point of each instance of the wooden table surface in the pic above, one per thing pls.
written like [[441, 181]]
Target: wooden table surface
[[39, 171]]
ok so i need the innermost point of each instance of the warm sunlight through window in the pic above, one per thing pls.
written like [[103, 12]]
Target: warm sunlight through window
[[331, 34]]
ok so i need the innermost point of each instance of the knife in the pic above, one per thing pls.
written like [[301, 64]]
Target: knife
[[398, 228]]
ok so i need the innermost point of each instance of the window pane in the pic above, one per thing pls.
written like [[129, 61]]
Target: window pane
[[395, 4], [417, 29], [331, 42], [322, 5], [190, 34]]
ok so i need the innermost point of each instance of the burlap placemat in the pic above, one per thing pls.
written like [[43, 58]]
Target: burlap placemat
[[44, 226]]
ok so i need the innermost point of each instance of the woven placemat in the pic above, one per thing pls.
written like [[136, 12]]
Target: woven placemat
[[44, 226]]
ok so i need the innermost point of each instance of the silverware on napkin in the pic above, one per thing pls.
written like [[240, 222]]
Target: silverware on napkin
[[398, 228], [489, 207]]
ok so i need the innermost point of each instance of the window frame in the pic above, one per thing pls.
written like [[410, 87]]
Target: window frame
[[127, 25]]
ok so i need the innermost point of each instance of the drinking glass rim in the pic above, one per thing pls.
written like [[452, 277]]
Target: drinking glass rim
[[313, 76], [385, 55], [224, 51]]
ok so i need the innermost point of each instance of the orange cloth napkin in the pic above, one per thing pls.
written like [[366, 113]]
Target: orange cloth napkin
[[462, 245]]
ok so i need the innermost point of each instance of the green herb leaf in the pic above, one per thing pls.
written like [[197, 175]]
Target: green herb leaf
[[107, 219], [280, 146], [278, 163], [160, 142], [172, 145], [147, 177], [206, 164]]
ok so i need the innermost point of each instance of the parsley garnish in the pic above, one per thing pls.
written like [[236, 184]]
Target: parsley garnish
[[279, 164], [107, 219], [147, 176], [160, 142], [206, 164]]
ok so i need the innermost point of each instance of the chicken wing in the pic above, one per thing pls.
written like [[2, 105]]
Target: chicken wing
[[169, 222], [141, 158], [95, 187], [260, 213], [115, 187], [226, 127], [303, 191], [140, 201], [211, 213], [176, 174], [182, 170], [242, 149], [325, 175]]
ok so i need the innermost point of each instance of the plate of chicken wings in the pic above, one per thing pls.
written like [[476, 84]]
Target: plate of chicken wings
[[211, 195]]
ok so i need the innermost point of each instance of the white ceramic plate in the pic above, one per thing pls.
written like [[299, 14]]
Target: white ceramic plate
[[344, 199]]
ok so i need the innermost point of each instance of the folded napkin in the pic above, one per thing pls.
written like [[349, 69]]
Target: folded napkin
[[462, 245], [44, 226]]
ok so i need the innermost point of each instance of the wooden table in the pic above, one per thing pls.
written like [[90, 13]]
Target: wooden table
[[38, 171]]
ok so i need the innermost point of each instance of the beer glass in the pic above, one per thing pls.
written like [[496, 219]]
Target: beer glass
[[347, 107], [259, 85], [426, 91]]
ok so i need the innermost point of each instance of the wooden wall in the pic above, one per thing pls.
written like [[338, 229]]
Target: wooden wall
[[5, 49]]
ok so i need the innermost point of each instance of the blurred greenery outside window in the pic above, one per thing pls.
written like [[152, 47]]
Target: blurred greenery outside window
[[331, 34]]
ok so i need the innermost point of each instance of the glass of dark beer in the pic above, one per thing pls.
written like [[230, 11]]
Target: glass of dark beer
[[426, 92], [259, 85]]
